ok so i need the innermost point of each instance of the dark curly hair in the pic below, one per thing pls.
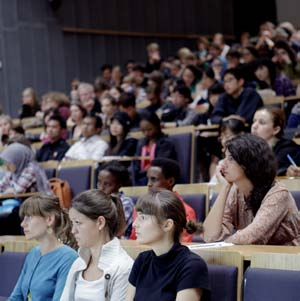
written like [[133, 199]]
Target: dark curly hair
[[258, 161]]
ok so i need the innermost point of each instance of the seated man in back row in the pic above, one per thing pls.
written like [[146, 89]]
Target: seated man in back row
[[56, 146], [236, 100], [164, 173], [91, 146]]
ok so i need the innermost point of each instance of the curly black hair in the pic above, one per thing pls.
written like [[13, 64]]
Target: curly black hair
[[258, 161]]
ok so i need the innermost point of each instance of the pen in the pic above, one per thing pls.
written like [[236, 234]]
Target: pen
[[291, 160]]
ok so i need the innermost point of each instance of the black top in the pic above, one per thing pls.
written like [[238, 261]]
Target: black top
[[281, 149], [245, 105], [52, 151], [127, 148], [159, 278]]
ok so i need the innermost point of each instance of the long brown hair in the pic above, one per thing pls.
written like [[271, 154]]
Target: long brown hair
[[44, 205], [94, 203]]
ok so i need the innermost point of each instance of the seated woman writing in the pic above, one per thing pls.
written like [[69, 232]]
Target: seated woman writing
[[251, 208]]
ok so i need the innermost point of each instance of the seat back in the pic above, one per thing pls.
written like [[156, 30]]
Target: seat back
[[11, 264], [79, 175], [184, 146], [223, 282], [296, 196], [270, 284], [198, 203]]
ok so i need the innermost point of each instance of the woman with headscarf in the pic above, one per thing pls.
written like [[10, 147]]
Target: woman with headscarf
[[23, 173]]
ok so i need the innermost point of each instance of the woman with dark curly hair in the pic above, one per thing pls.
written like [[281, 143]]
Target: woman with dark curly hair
[[251, 208]]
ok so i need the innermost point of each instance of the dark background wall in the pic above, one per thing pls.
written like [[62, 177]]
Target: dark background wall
[[36, 51]]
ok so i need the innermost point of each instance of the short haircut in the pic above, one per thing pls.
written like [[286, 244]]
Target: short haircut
[[127, 100], [169, 168], [119, 171], [98, 120], [105, 67], [236, 72], [59, 119]]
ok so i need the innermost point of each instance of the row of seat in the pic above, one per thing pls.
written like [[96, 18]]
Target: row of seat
[[260, 284]]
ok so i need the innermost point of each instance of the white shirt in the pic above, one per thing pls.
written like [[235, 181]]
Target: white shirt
[[116, 265], [89, 290], [92, 148]]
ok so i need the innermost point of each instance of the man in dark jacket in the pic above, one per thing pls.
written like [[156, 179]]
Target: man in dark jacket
[[236, 100], [56, 147]]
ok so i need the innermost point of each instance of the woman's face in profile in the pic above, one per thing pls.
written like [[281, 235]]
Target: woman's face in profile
[[231, 170], [263, 126], [148, 129]]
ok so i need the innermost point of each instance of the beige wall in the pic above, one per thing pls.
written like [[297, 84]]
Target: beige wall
[[288, 10]]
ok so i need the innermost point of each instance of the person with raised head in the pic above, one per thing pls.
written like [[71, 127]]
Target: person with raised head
[[120, 144], [268, 123], [90, 146], [236, 100], [46, 267], [23, 172], [155, 144], [112, 176], [251, 207], [77, 114], [169, 270], [86, 93], [102, 269], [164, 173], [56, 147], [127, 105]]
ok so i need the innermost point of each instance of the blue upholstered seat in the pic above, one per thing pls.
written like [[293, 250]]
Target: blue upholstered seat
[[223, 281], [11, 264], [78, 177], [270, 284]]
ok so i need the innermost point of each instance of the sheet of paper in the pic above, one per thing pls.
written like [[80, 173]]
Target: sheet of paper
[[210, 245]]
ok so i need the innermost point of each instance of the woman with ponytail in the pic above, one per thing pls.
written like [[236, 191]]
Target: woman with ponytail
[[251, 208], [46, 267], [102, 269], [170, 271]]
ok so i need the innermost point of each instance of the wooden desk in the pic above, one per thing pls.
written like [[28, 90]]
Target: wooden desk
[[247, 251], [17, 195]]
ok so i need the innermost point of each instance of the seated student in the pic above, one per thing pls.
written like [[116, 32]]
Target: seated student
[[101, 272], [90, 146], [155, 144], [268, 123], [236, 100], [46, 267], [77, 114], [23, 173], [86, 93], [112, 176], [270, 81], [120, 144], [56, 148], [127, 104], [164, 173], [251, 208], [229, 128], [170, 270], [30, 103], [180, 114], [108, 109]]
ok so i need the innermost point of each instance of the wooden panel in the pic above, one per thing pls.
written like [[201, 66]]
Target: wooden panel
[[276, 261]]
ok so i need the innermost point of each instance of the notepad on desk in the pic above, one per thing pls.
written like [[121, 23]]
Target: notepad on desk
[[210, 245]]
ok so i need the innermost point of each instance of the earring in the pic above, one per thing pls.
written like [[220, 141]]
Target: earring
[[49, 230]]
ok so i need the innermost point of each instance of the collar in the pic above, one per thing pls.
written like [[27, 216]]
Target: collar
[[94, 137], [109, 254]]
